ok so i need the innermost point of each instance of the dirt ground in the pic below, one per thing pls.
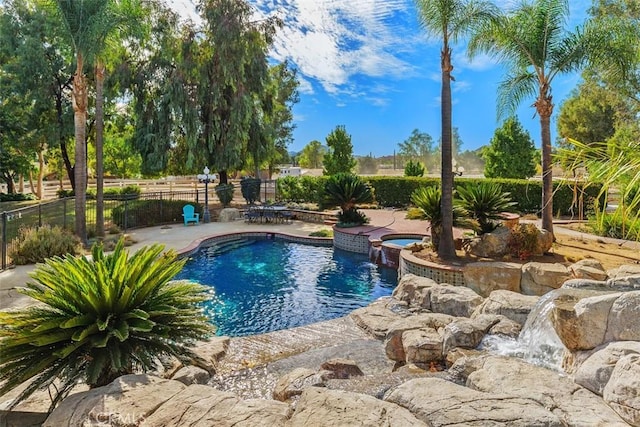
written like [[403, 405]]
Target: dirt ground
[[566, 250]]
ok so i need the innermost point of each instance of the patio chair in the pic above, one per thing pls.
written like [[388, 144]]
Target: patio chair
[[189, 215], [252, 215]]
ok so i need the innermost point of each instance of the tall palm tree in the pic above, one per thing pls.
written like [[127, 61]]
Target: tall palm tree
[[86, 27], [533, 43], [449, 20]]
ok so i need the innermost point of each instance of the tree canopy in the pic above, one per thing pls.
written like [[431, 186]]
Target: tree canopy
[[339, 158], [510, 153]]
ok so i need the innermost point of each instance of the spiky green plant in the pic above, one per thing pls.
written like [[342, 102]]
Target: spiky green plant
[[485, 202], [98, 319], [347, 190], [414, 168], [428, 201]]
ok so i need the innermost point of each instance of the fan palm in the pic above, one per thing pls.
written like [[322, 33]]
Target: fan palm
[[449, 20], [485, 202], [428, 201], [99, 319], [532, 42]]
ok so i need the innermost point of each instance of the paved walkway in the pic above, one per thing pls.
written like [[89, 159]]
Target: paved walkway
[[179, 237]]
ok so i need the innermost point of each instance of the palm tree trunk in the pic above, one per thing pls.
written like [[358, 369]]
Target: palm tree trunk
[[80, 169], [446, 249], [544, 107], [99, 149]]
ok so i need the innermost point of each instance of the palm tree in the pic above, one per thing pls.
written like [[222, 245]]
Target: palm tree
[[449, 20], [87, 26], [532, 42]]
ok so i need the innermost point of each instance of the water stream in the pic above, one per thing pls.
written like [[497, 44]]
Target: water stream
[[538, 342]]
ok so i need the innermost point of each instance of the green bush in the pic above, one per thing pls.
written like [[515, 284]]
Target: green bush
[[62, 193], [485, 203], [250, 188], [523, 241], [414, 169], [616, 224], [98, 319], [147, 213], [33, 245], [16, 197], [347, 191], [129, 190], [392, 191], [303, 189], [225, 193]]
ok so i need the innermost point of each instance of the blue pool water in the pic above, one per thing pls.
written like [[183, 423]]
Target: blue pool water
[[402, 242], [261, 285]]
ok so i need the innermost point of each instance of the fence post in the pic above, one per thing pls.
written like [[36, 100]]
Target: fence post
[[64, 212], [126, 213], [39, 215], [4, 240], [161, 217]]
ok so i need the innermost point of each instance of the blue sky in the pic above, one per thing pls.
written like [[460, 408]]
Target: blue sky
[[367, 65]]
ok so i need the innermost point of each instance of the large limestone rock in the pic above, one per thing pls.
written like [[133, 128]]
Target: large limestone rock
[[341, 368], [595, 320], [538, 278], [586, 284], [191, 375], [622, 392], [486, 277], [624, 283], [623, 323], [582, 325], [379, 315], [491, 245], [457, 301], [229, 215], [466, 333], [209, 353], [588, 268], [512, 305], [545, 242], [422, 292], [205, 406], [438, 402], [294, 383], [573, 404], [320, 407], [594, 373], [394, 347], [421, 346], [624, 271], [128, 400]]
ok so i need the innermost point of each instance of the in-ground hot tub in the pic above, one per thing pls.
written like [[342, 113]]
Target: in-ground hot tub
[[386, 251]]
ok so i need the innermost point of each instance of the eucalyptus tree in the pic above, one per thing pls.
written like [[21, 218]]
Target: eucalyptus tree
[[35, 80], [224, 74], [448, 21]]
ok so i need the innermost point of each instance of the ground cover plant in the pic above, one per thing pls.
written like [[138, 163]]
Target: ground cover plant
[[98, 319]]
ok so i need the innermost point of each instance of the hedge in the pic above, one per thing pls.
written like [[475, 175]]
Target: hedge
[[391, 191], [147, 213]]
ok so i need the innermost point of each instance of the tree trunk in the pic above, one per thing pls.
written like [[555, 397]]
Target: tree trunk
[[544, 107], [63, 142], [99, 149], [40, 174], [80, 169], [446, 248]]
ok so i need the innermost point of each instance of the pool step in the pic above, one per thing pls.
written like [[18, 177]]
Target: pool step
[[223, 247]]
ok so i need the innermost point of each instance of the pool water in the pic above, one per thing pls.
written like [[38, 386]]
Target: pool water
[[402, 242], [261, 285]]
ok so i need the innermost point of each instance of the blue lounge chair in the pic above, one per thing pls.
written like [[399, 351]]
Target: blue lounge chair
[[189, 215]]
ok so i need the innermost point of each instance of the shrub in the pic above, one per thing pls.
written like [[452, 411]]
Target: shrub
[[129, 190], [33, 245], [485, 202], [322, 233], [16, 197], [225, 193], [100, 318], [620, 224], [146, 213], [304, 189], [414, 169], [523, 241], [347, 190], [428, 201], [394, 191], [250, 188]]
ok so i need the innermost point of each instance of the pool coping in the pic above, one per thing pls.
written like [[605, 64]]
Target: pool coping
[[195, 245]]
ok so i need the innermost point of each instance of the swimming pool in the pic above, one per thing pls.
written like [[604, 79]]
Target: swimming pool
[[261, 285]]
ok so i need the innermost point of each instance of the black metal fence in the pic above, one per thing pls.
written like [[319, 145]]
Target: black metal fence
[[121, 212]]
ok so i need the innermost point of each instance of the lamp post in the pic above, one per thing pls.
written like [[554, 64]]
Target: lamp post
[[457, 170], [206, 178]]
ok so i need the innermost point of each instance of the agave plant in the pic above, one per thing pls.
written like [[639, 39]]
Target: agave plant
[[428, 201], [347, 190], [485, 202], [100, 318]]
